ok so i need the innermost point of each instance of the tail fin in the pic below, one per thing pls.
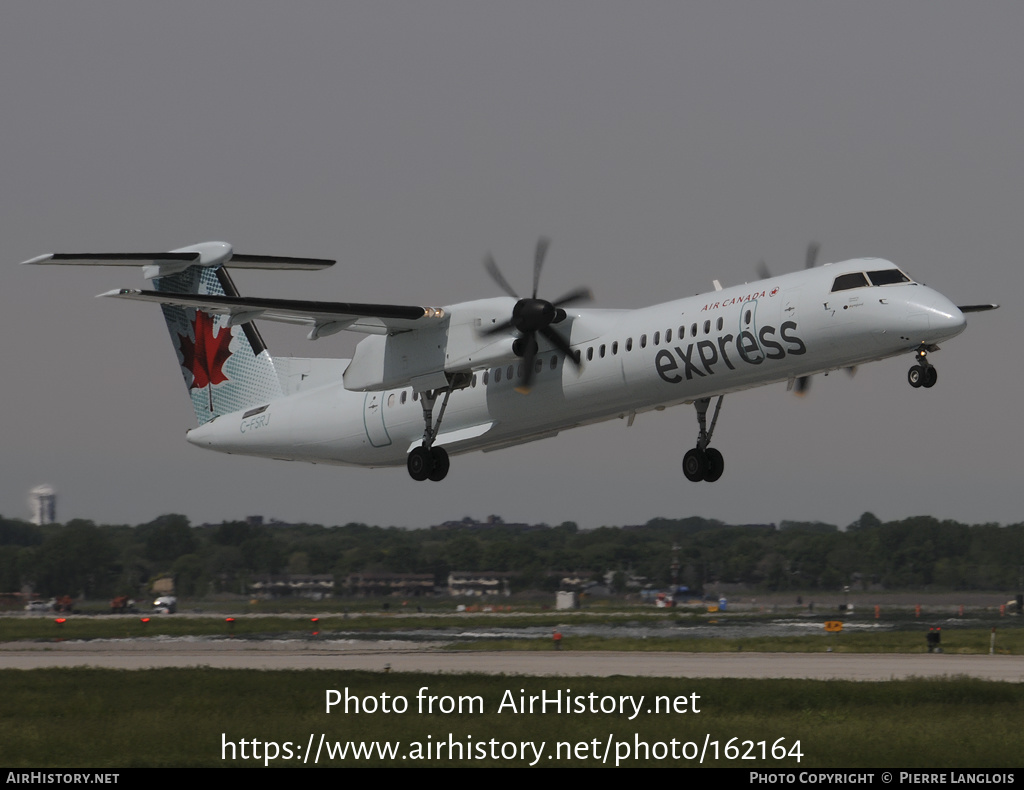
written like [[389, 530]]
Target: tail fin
[[224, 361], [226, 368]]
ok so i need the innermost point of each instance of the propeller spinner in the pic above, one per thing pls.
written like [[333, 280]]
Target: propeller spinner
[[532, 316]]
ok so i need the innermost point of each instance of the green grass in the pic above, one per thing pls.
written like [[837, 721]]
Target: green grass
[[106, 718], [905, 637], [965, 641], [106, 627]]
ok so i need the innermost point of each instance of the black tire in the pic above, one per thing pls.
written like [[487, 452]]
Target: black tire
[[695, 465], [915, 376], [439, 457], [419, 463], [931, 375], [716, 465]]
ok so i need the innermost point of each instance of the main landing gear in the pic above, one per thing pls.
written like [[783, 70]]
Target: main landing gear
[[427, 462], [703, 462], [922, 374]]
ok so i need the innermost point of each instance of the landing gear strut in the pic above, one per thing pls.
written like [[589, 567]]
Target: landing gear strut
[[703, 462], [427, 462], [924, 373]]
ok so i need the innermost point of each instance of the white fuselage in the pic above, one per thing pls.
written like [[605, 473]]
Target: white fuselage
[[677, 352]]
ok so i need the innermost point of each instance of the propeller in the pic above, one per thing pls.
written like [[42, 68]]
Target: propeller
[[532, 316], [812, 255], [802, 384], [810, 261]]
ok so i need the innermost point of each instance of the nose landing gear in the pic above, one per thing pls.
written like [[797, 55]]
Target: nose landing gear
[[924, 373], [703, 462]]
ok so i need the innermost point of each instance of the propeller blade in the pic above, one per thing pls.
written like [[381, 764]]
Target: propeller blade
[[579, 295], [529, 364], [812, 255], [538, 261], [559, 342], [762, 270], [496, 275], [802, 385], [851, 371]]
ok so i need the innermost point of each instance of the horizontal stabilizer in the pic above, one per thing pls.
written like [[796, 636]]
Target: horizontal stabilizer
[[976, 308], [325, 318], [115, 258], [162, 264]]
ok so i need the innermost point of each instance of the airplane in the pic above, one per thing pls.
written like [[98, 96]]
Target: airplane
[[429, 382]]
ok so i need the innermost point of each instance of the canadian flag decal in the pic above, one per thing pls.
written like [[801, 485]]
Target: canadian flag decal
[[205, 357]]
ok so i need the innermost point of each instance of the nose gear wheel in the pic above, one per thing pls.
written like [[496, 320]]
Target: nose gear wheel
[[924, 373]]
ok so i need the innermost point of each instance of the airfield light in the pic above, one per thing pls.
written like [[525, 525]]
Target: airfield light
[[144, 620], [60, 620]]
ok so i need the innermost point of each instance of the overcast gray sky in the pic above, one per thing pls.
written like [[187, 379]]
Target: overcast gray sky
[[660, 145]]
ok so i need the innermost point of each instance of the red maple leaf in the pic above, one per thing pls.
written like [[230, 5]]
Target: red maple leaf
[[205, 357]]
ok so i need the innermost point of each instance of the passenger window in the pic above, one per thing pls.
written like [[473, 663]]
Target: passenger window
[[497, 375], [844, 282], [657, 338], [720, 324], [643, 341], [404, 393], [486, 377], [510, 372], [554, 362], [707, 327], [615, 348], [693, 330], [668, 335], [601, 351], [538, 365], [682, 332], [590, 353], [391, 400], [629, 344]]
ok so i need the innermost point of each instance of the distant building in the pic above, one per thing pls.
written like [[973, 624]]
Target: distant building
[[302, 585], [366, 585], [42, 502], [479, 583]]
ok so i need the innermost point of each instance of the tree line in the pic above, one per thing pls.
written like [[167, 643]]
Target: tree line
[[84, 558]]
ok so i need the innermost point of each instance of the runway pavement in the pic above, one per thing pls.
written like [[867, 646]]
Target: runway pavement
[[419, 657]]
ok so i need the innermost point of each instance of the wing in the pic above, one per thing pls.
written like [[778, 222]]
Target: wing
[[324, 318]]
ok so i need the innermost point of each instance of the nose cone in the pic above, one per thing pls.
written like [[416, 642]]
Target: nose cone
[[944, 318]]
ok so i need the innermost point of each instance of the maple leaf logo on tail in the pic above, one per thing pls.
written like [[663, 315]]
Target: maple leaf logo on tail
[[205, 357]]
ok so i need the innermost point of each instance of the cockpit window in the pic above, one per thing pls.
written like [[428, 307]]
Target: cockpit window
[[888, 277], [844, 282]]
